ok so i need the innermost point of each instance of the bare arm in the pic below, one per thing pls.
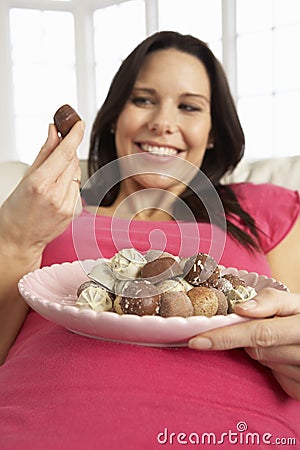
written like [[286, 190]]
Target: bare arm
[[38, 210], [274, 340], [284, 260], [13, 309]]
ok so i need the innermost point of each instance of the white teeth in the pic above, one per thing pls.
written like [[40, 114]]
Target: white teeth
[[164, 151]]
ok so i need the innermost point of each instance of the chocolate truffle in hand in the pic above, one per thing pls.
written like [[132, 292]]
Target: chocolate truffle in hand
[[65, 118]]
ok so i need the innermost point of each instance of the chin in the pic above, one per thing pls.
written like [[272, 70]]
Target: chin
[[159, 182]]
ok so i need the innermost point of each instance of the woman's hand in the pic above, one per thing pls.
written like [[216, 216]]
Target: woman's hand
[[274, 340], [42, 205]]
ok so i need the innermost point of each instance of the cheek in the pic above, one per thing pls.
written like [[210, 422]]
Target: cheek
[[198, 135], [123, 127], [124, 133], [128, 122]]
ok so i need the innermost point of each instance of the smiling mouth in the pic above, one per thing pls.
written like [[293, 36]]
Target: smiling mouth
[[159, 150]]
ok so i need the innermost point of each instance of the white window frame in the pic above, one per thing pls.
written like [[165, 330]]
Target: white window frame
[[84, 53]]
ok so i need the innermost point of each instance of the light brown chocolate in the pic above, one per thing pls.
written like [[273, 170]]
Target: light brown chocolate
[[204, 300], [176, 304]]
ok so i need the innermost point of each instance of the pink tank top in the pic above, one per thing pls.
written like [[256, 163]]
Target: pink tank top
[[61, 390]]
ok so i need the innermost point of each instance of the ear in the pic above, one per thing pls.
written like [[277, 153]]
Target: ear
[[210, 142]]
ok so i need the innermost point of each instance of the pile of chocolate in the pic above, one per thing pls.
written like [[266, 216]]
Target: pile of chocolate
[[158, 283]]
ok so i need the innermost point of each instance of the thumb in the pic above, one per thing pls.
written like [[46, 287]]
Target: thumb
[[270, 302]]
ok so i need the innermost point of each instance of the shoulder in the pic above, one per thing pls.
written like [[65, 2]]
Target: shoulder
[[265, 196], [275, 209], [251, 192]]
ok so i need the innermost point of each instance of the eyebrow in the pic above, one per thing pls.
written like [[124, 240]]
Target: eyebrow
[[185, 94]]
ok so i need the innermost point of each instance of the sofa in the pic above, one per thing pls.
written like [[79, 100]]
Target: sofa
[[284, 171]]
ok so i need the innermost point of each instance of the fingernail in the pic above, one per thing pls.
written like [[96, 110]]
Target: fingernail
[[200, 343], [251, 304]]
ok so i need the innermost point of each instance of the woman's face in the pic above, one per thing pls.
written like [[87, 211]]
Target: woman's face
[[167, 116]]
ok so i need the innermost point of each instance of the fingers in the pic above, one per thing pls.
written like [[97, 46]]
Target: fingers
[[68, 189], [53, 163], [58, 160], [290, 385], [254, 333], [51, 143], [285, 370], [282, 354], [270, 302]]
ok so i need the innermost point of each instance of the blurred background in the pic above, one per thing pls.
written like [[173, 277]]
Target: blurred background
[[67, 51]]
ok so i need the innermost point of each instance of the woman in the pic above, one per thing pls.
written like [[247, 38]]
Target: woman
[[168, 102]]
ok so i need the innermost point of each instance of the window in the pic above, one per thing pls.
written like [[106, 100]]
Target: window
[[201, 18], [67, 51], [43, 72], [268, 74], [115, 38]]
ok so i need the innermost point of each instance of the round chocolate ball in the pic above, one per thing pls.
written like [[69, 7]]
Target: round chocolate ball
[[222, 302], [140, 297], [204, 301], [201, 270], [176, 304], [161, 269]]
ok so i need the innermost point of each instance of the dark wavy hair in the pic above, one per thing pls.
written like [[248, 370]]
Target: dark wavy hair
[[227, 133]]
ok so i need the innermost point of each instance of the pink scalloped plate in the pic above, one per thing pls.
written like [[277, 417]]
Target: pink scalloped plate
[[51, 292]]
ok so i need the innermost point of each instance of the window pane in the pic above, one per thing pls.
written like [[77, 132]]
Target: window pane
[[118, 29], [286, 12], [38, 36], [254, 15], [43, 56], [256, 115], [268, 63], [41, 88], [286, 59], [287, 124], [255, 63], [201, 18], [31, 133]]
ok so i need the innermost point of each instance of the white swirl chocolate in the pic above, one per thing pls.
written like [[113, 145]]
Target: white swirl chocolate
[[175, 285], [127, 264], [95, 298], [103, 274], [240, 294]]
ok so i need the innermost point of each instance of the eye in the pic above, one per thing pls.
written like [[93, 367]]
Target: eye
[[142, 101], [189, 108]]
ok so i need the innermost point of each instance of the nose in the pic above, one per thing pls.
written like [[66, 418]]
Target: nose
[[163, 121]]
